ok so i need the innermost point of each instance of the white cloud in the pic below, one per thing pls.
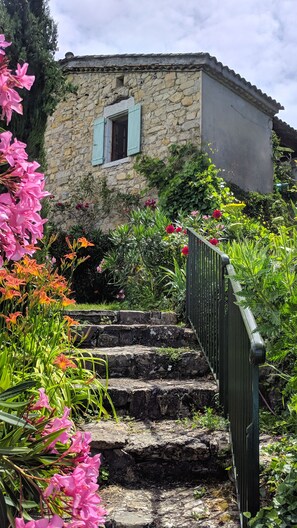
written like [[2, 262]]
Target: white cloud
[[258, 39]]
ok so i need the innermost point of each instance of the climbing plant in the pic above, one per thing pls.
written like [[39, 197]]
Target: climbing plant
[[187, 180]]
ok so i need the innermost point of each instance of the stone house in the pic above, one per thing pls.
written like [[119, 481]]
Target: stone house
[[130, 104]]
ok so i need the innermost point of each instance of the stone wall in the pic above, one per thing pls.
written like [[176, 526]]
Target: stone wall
[[170, 114]]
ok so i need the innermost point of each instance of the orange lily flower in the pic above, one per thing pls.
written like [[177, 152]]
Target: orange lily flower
[[84, 242], [64, 362], [70, 321]]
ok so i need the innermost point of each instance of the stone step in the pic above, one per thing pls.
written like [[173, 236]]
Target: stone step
[[125, 317], [92, 336], [203, 506], [138, 361], [162, 452], [158, 399]]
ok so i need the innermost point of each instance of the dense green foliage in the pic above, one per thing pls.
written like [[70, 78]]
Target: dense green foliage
[[146, 262], [87, 284], [186, 181], [28, 24]]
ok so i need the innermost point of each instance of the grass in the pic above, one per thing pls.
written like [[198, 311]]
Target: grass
[[208, 419], [173, 354], [103, 306]]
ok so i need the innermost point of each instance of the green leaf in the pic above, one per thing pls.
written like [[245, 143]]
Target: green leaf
[[3, 512], [17, 389], [13, 405], [15, 420]]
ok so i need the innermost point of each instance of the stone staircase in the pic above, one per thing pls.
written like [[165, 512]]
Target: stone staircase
[[164, 470]]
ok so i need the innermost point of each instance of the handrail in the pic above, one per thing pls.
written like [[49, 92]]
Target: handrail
[[228, 336]]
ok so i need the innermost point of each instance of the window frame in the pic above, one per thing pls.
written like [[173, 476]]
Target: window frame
[[103, 126]]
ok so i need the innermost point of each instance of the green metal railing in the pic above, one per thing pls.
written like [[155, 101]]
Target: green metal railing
[[227, 334]]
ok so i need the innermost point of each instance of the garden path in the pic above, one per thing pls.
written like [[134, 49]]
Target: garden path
[[165, 469]]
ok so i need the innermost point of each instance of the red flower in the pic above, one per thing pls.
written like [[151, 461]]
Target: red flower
[[178, 229], [185, 250], [214, 241], [217, 214], [150, 203], [170, 229]]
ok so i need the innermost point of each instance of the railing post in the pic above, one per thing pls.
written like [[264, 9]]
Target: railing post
[[223, 336]]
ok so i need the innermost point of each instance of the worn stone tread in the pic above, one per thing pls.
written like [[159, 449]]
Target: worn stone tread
[[112, 335], [208, 506], [123, 317], [151, 438], [161, 398], [139, 361], [138, 451]]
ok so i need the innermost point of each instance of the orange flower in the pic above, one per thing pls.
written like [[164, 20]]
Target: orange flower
[[13, 282], [11, 319], [9, 294], [29, 266], [44, 298], [64, 362], [84, 242], [70, 321], [66, 301], [70, 256]]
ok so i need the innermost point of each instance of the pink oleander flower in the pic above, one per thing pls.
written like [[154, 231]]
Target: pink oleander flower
[[55, 425], [3, 44], [25, 81], [206, 217], [42, 402], [194, 213], [54, 522], [20, 222], [80, 444], [81, 489]]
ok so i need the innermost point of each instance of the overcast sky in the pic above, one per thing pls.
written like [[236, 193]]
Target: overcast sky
[[256, 38]]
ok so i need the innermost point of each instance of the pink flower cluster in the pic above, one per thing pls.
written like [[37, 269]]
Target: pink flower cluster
[[9, 98], [54, 522], [80, 489], [20, 222], [76, 487]]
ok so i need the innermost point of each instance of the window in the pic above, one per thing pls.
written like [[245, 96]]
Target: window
[[117, 133], [119, 138]]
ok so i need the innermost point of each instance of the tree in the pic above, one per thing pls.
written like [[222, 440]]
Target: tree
[[28, 24]]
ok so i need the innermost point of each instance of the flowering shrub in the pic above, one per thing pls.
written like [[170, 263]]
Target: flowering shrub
[[37, 339], [22, 187], [50, 468], [45, 465], [144, 249]]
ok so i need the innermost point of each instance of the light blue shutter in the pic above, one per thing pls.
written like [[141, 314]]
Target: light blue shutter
[[134, 129], [98, 141]]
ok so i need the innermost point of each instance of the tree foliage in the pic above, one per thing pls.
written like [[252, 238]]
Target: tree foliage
[[28, 24]]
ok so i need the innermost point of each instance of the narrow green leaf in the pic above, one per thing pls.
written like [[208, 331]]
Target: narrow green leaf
[[15, 420], [3, 512], [17, 389]]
